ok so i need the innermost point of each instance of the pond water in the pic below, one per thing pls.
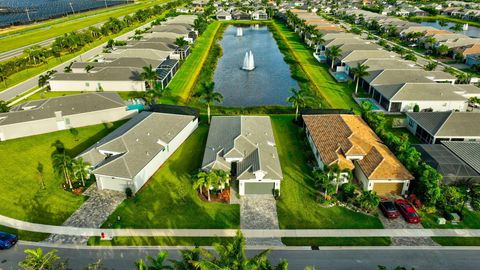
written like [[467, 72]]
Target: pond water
[[472, 31], [267, 84], [15, 11]]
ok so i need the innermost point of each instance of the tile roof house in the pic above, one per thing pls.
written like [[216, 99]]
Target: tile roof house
[[130, 155], [435, 127], [60, 113], [346, 140], [244, 146]]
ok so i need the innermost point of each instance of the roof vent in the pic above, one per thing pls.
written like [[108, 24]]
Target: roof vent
[[148, 154], [148, 133], [137, 140]]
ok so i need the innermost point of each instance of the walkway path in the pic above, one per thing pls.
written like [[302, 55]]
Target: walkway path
[[69, 230], [92, 214], [259, 212]]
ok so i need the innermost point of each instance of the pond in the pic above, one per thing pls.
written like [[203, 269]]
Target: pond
[[267, 84], [472, 31]]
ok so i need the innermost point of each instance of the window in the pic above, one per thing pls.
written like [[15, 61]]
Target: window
[[411, 123], [87, 84], [67, 121]]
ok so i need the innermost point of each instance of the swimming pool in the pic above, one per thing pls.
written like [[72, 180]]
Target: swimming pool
[[340, 76], [374, 104]]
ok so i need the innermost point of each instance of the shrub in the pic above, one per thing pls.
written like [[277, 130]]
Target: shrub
[[128, 192], [276, 193], [348, 191]]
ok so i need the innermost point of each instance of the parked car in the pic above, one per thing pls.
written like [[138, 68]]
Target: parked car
[[7, 240], [388, 209], [407, 211]]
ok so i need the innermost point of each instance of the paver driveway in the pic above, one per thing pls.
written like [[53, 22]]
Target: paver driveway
[[259, 212]]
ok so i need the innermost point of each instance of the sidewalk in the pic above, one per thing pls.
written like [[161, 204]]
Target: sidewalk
[[68, 230]]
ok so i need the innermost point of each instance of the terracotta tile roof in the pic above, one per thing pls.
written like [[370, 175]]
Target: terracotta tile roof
[[431, 32], [338, 136], [473, 49]]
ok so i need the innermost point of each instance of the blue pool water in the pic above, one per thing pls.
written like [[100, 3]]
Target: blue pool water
[[138, 107], [374, 106], [341, 76]]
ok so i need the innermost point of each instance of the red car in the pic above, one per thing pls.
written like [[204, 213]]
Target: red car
[[407, 211], [388, 209]]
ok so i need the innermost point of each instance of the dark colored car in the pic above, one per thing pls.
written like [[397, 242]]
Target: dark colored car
[[407, 211], [388, 209], [7, 240]]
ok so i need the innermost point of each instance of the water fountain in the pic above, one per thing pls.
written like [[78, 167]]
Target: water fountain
[[248, 62], [239, 32]]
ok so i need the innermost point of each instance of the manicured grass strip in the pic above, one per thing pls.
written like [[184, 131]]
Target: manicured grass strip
[[471, 220], [457, 241], [337, 95], [20, 183], [58, 27], [184, 81], [297, 207], [168, 199], [337, 241], [159, 241], [25, 235]]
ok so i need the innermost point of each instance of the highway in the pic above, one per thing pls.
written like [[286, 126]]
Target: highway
[[333, 258]]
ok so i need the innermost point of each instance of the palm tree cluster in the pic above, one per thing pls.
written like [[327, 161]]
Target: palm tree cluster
[[72, 170], [329, 179], [214, 180], [299, 99], [358, 72], [333, 52], [76, 40], [200, 23]]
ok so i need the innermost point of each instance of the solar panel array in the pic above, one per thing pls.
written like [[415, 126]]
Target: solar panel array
[[25, 11]]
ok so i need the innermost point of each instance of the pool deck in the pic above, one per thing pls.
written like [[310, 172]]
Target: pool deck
[[377, 107]]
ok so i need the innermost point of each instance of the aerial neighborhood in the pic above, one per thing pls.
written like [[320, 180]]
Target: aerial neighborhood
[[239, 125]]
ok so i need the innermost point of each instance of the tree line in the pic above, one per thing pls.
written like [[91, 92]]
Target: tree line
[[74, 41]]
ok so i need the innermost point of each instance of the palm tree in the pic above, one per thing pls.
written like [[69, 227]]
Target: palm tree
[[157, 263], [323, 180], [298, 100], [189, 256], [209, 96], [333, 52], [181, 42], [81, 169], [36, 259], [463, 77], [430, 66], [223, 179], [42, 80], [368, 200], [88, 68], [152, 96], [40, 174], [358, 72], [68, 68], [150, 75], [4, 106], [200, 181], [62, 165]]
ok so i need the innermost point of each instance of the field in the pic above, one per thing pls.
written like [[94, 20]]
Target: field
[[52, 28]]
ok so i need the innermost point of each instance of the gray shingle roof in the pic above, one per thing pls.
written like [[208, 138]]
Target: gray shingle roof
[[428, 92], [249, 138], [469, 152], [68, 105], [120, 62], [135, 143], [103, 74], [430, 121]]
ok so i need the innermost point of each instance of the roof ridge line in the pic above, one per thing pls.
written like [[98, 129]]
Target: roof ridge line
[[444, 122]]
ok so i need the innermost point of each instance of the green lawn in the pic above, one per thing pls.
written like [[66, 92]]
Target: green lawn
[[158, 241], [337, 241], [22, 197], [337, 95], [168, 199], [471, 221], [457, 241], [25, 235], [184, 81], [297, 208], [400, 131], [56, 27]]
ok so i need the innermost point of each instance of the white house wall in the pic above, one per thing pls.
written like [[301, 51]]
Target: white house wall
[[117, 86], [142, 177], [314, 150], [436, 106], [113, 183], [48, 125]]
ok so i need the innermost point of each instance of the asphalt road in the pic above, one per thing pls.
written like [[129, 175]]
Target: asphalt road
[[325, 258]]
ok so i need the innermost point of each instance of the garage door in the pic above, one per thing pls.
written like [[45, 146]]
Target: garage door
[[113, 184], [259, 188], [388, 188]]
